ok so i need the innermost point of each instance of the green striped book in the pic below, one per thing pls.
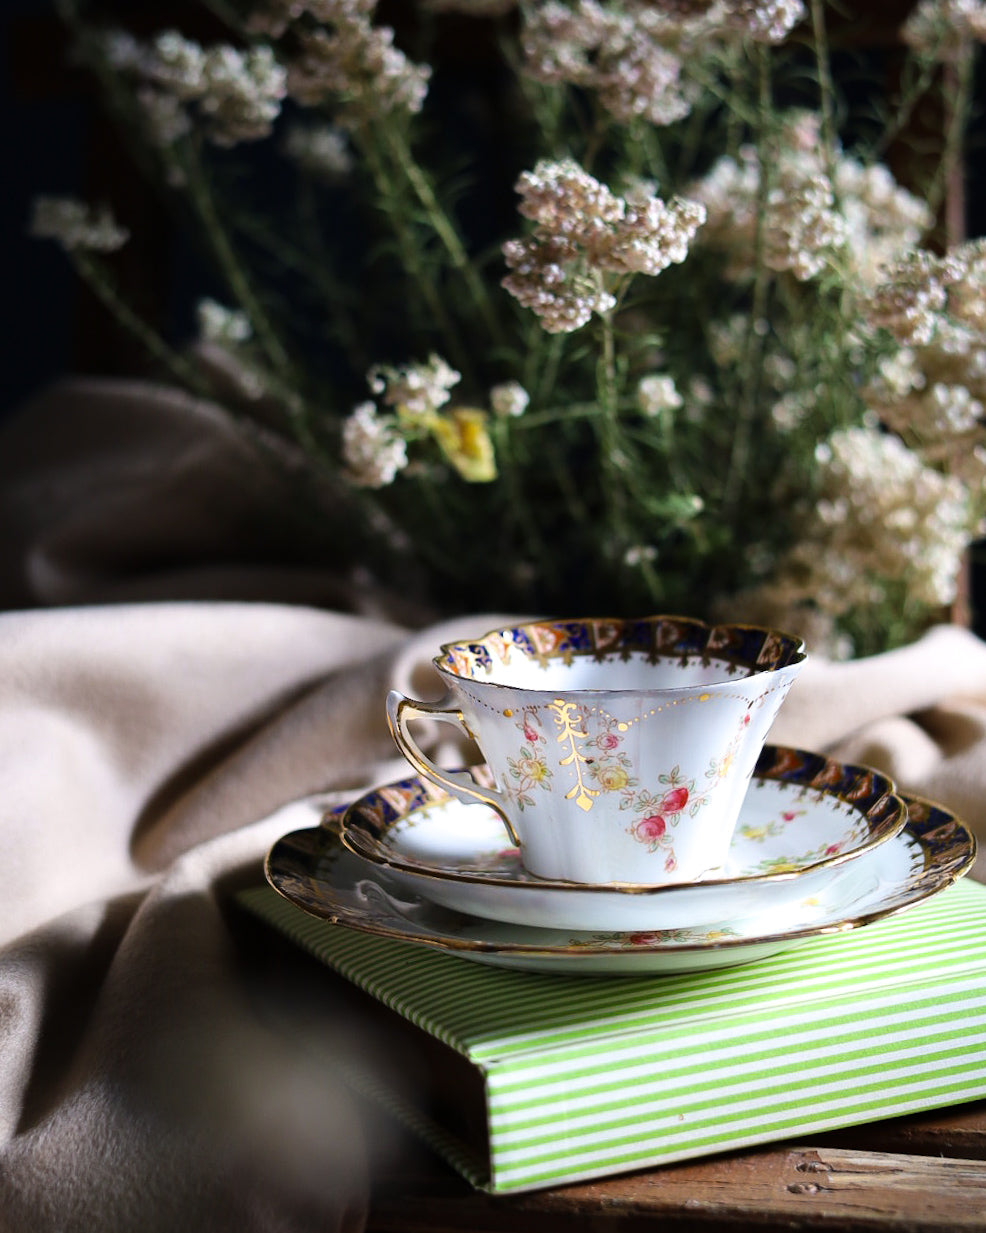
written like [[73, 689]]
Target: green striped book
[[558, 1078]]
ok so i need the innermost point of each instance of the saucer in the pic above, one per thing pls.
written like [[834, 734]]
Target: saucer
[[805, 821], [311, 869]]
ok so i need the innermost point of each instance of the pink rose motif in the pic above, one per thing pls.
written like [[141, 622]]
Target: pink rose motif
[[789, 815], [529, 733], [608, 741], [675, 800], [670, 865], [652, 827]]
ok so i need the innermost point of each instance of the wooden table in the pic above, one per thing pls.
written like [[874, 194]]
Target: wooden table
[[922, 1174]]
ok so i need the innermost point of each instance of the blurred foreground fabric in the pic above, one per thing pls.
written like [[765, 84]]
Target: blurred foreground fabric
[[150, 754]]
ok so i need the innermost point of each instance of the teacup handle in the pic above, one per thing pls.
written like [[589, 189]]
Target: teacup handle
[[400, 712]]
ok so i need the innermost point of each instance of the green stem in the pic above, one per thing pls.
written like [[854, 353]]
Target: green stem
[[957, 101], [191, 377], [413, 260], [905, 108], [826, 87], [443, 228], [546, 373], [316, 272], [517, 510], [746, 410], [96, 278], [731, 99], [612, 458], [233, 270]]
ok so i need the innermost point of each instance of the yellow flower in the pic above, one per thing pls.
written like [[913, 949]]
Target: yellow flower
[[533, 768], [612, 778], [465, 442]]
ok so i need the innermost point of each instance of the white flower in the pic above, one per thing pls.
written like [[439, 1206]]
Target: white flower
[[226, 326], [617, 54], [638, 554], [566, 203], [582, 231], [237, 94], [958, 412], [766, 21], [882, 517], [75, 225], [657, 393], [509, 399], [417, 390], [911, 299], [652, 235], [371, 447], [322, 149], [803, 227], [861, 222], [167, 117], [550, 279], [938, 28], [349, 61]]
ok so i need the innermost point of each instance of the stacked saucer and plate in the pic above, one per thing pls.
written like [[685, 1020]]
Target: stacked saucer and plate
[[629, 817]]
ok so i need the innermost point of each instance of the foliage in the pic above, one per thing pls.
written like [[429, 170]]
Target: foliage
[[581, 307]]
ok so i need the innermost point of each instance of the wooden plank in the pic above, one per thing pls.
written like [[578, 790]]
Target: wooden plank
[[838, 1190]]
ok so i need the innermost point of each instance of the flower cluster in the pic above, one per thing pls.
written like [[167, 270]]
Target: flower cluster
[[931, 390], [218, 324], [74, 225], [375, 445], [657, 393], [940, 29], [630, 56], [236, 94], [615, 53], [415, 390], [336, 53], [679, 338], [321, 149], [809, 220], [509, 399], [372, 448], [883, 528], [584, 231]]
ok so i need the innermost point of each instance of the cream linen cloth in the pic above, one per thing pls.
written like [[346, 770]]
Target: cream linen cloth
[[152, 1075]]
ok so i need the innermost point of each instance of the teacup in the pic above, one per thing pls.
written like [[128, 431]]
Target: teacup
[[620, 750]]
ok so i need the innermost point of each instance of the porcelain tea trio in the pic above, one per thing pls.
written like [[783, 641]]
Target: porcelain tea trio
[[629, 816]]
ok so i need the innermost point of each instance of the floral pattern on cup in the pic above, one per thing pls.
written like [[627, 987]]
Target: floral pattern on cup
[[662, 811], [529, 770], [592, 743]]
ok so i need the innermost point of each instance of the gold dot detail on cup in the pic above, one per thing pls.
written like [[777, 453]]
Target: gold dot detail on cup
[[508, 712], [624, 725]]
